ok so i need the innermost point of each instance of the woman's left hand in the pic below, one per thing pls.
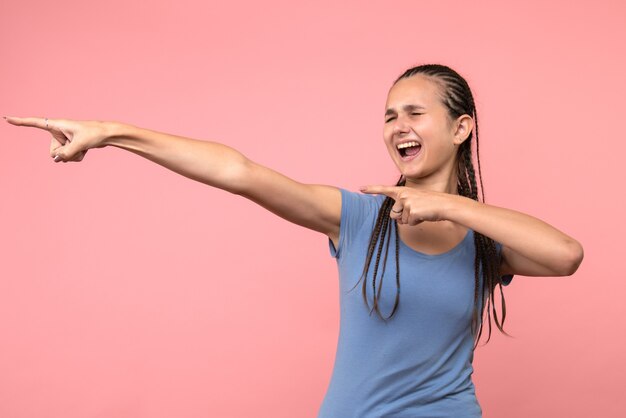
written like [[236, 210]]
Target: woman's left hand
[[414, 206]]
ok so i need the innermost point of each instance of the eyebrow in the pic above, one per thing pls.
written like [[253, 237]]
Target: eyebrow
[[407, 108]]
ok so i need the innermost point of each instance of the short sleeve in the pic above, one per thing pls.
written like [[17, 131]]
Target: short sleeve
[[357, 210], [506, 279]]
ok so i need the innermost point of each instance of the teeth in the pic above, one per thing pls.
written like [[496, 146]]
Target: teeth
[[408, 144]]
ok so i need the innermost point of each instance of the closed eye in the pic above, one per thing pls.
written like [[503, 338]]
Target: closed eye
[[415, 114]]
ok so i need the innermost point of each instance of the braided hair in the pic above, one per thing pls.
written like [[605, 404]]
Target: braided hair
[[457, 97]]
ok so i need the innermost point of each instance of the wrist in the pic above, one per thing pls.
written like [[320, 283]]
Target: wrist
[[113, 131], [458, 206]]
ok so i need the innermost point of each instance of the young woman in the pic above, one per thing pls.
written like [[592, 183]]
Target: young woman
[[414, 357]]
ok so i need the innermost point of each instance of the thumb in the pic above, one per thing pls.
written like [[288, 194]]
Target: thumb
[[66, 152]]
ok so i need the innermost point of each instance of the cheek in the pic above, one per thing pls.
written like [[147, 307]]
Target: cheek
[[386, 139], [386, 133]]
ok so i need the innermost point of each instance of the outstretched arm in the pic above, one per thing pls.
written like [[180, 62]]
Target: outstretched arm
[[314, 206]]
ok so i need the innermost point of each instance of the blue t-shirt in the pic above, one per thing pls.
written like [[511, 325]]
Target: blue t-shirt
[[419, 362]]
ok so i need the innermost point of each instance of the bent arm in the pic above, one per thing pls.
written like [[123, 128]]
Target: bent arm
[[530, 246], [314, 206]]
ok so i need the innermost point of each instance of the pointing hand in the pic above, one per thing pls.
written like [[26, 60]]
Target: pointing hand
[[71, 139], [413, 206]]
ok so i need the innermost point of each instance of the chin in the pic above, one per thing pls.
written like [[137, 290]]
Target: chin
[[414, 175]]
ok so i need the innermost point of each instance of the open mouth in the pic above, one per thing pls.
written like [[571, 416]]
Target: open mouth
[[409, 149]]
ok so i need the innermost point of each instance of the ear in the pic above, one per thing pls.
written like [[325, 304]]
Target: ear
[[464, 126]]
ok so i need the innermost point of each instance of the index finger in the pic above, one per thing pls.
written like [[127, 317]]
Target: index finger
[[391, 191], [35, 122]]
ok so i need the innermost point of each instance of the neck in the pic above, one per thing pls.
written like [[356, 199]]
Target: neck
[[442, 180], [444, 185]]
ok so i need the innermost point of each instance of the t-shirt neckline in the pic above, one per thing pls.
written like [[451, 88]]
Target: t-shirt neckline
[[448, 253]]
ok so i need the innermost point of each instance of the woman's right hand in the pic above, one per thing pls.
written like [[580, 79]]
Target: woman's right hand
[[71, 139]]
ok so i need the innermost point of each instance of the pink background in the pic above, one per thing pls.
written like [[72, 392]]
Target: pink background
[[130, 291]]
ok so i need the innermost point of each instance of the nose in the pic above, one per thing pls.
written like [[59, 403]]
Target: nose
[[400, 125]]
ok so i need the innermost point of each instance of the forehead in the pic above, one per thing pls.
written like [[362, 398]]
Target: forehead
[[416, 90]]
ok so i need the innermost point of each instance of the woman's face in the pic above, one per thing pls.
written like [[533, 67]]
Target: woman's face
[[415, 116]]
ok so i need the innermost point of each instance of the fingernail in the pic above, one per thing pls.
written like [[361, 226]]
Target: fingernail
[[57, 158]]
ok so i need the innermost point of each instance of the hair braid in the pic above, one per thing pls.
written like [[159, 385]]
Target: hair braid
[[381, 226]]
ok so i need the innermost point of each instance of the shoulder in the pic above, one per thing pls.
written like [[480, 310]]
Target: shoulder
[[358, 214], [360, 202]]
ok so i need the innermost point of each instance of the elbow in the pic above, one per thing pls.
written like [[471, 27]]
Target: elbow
[[238, 176], [574, 258]]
